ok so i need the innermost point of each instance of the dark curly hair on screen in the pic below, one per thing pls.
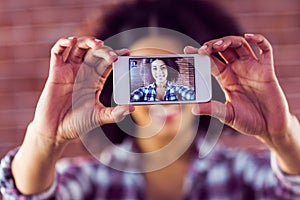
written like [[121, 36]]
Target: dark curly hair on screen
[[201, 20]]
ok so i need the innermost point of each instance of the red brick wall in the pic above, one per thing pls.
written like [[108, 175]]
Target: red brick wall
[[28, 29]]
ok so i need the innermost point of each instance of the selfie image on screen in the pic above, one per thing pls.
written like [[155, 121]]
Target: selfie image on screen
[[162, 79]]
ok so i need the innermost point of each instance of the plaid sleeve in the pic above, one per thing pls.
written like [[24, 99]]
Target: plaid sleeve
[[137, 95], [73, 180], [185, 93], [8, 186], [147, 93], [241, 175], [76, 179], [291, 183], [266, 182]]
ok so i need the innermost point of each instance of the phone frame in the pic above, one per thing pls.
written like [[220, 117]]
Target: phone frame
[[122, 84]]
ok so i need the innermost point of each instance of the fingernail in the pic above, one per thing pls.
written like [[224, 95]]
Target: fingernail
[[203, 47], [219, 42], [122, 51], [190, 47], [249, 34], [112, 53], [195, 110], [71, 37], [99, 42], [127, 112]]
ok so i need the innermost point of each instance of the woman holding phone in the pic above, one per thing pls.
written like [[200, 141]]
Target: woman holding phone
[[248, 80]]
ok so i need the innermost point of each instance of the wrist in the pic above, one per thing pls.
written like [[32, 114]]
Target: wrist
[[33, 167], [46, 140], [280, 137], [286, 146]]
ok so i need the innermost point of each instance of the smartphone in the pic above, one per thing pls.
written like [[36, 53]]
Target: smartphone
[[162, 79]]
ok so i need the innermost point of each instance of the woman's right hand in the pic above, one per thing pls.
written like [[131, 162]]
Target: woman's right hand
[[69, 104]]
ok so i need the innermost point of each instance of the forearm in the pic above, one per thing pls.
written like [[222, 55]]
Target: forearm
[[287, 148], [288, 154], [33, 167]]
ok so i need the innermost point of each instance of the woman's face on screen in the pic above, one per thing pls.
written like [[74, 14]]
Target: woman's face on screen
[[159, 71]]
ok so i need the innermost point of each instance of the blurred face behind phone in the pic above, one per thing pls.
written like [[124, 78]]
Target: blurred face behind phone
[[161, 121]]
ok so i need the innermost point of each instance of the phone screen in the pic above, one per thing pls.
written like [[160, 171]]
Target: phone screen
[[162, 79]]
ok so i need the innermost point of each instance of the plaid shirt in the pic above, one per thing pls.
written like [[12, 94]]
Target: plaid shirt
[[223, 174], [173, 93]]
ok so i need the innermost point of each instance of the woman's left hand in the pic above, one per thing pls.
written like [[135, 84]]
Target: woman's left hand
[[255, 103]]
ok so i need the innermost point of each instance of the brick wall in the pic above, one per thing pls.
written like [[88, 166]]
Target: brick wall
[[279, 22], [29, 28]]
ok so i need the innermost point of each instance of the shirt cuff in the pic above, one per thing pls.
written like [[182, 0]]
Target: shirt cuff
[[8, 186], [292, 182], [48, 193]]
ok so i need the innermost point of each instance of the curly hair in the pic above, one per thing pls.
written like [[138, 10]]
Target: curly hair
[[198, 19]]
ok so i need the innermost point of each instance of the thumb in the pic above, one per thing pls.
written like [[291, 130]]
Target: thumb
[[120, 112], [213, 108], [114, 114]]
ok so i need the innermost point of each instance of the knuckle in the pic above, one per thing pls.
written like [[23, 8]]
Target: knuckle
[[84, 38], [52, 50]]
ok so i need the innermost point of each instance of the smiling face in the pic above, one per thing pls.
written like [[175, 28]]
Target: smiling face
[[159, 71]]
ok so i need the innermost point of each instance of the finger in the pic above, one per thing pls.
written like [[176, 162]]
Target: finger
[[216, 109], [233, 47], [190, 50], [106, 53], [119, 112], [100, 60], [123, 52], [202, 50], [59, 49], [229, 55], [261, 42], [217, 66], [193, 50], [78, 51], [114, 114]]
